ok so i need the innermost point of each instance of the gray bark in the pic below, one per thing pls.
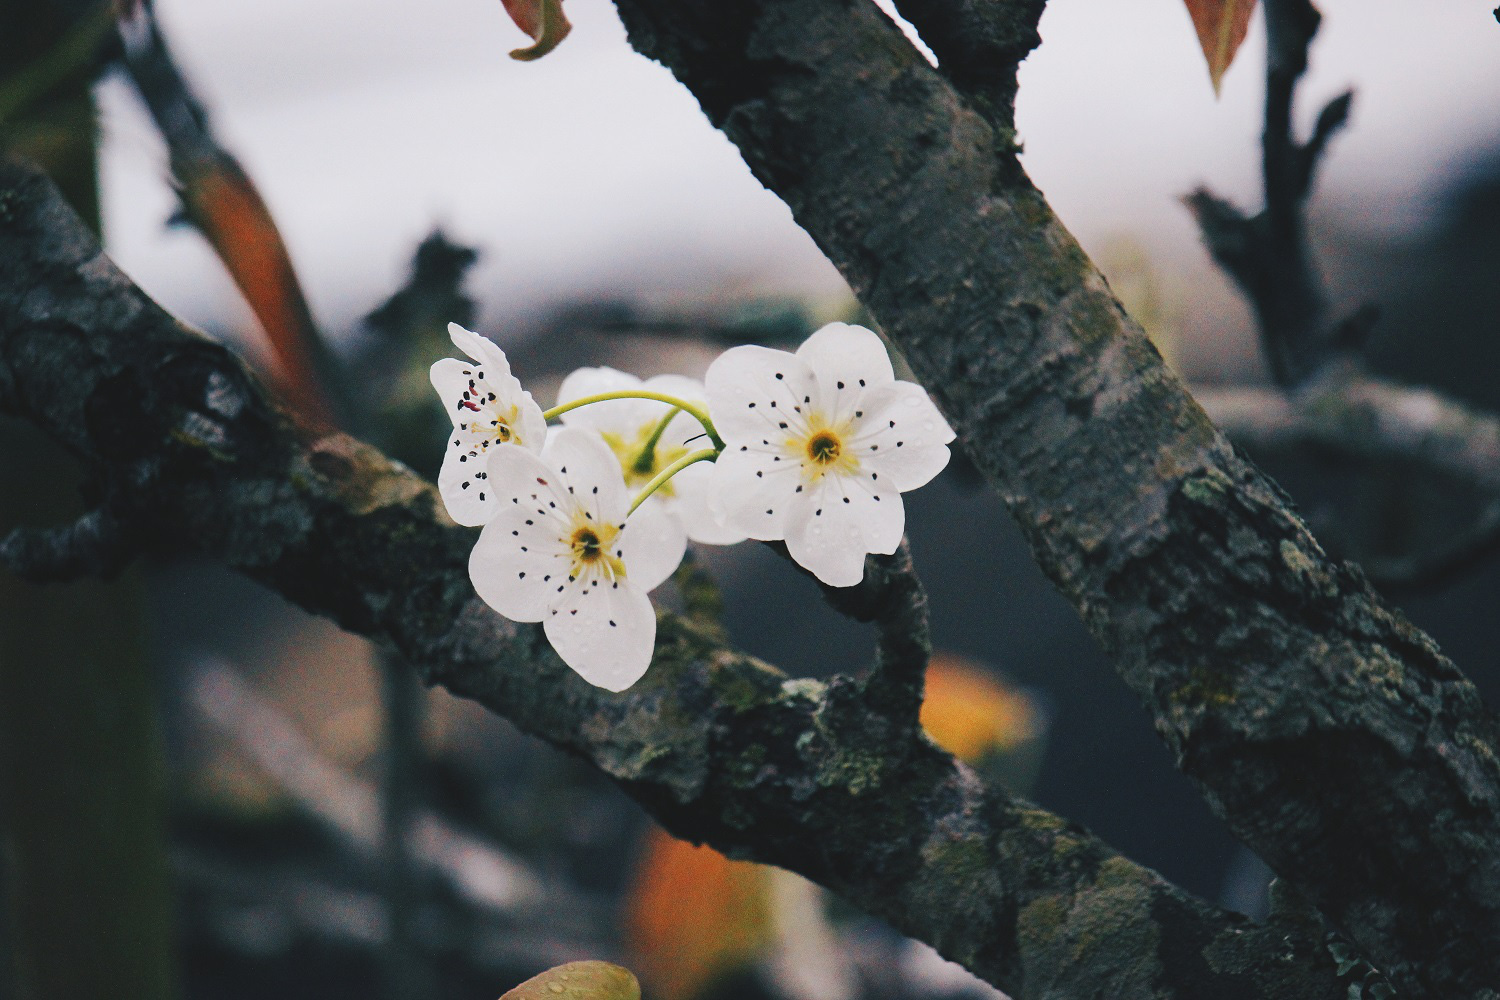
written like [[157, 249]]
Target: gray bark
[[1329, 733], [822, 779]]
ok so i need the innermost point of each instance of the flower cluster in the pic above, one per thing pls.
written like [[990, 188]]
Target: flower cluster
[[582, 520]]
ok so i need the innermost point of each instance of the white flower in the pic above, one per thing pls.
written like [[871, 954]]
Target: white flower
[[819, 447], [627, 425], [560, 551], [488, 408]]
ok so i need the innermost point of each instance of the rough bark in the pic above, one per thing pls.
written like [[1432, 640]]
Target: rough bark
[[1330, 734], [717, 745], [1447, 444]]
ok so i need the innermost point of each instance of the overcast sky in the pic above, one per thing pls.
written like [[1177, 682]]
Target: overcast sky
[[365, 122]]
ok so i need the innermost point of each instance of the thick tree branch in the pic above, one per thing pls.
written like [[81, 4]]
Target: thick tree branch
[[1370, 419], [717, 745], [1332, 735], [979, 44]]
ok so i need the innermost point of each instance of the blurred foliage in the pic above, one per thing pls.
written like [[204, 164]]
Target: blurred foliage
[[693, 916]]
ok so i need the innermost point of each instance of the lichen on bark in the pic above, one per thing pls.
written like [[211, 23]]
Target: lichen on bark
[[818, 777]]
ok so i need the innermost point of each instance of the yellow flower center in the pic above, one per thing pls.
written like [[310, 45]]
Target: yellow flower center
[[590, 550], [502, 423], [824, 447]]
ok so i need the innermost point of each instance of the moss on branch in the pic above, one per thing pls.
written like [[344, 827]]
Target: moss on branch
[[722, 748], [1326, 730]]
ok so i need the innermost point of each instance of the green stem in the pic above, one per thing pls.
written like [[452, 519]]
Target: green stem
[[702, 455], [647, 457], [691, 409]]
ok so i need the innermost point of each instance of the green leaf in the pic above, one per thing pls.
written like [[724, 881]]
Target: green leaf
[[579, 981]]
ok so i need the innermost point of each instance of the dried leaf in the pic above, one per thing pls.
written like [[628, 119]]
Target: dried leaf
[[1221, 26], [225, 207], [970, 713], [692, 915], [543, 20], [579, 981]]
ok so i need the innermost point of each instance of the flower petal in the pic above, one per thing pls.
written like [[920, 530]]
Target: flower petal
[[463, 481], [613, 415], [481, 349], [479, 395], [836, 522], [517, 563], [606, 633], [753, 391], [902, 436], [751, 491], [589, 472], [847, 359], [523, 553], [692, 507], [451, 377], [651, 546]]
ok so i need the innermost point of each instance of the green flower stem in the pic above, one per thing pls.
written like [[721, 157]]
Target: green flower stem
[[702, 455], [647, 457], [691, 409]]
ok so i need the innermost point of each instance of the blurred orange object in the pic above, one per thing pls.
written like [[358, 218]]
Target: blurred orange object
[[971, 714], [693, 915]]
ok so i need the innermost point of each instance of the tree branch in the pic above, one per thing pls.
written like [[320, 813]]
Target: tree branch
[[892, 596], [718, 746], [1321, 725], [979, 44], [1368, 418], [1267, 254]]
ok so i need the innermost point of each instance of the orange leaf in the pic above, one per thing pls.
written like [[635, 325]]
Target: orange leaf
[[227, 209], [693, 915], [1221, 26], [970, 713], [543, 20]]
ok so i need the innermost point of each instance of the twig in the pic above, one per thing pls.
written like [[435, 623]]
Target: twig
[[892, 596], [1267, 254]]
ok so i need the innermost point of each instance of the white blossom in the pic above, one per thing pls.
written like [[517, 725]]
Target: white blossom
[[559, 550], [488, 408], [627, 426], [819, 447]]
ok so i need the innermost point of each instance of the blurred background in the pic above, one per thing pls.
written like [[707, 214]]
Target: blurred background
[[587, 213]]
